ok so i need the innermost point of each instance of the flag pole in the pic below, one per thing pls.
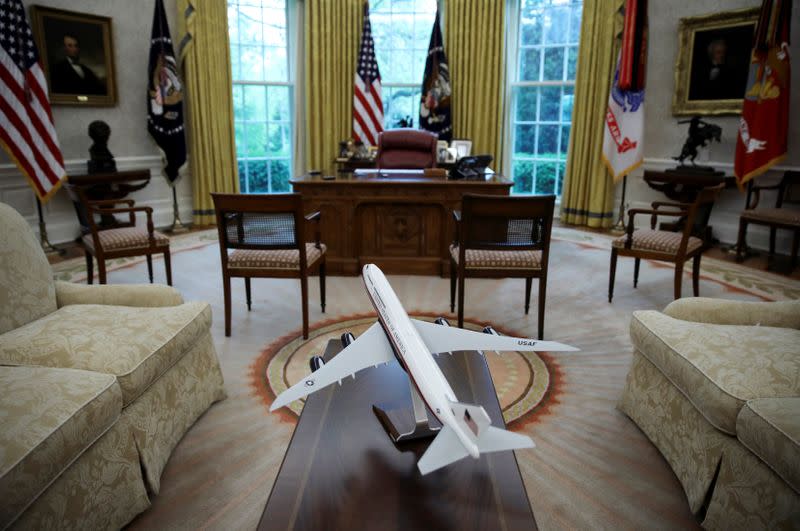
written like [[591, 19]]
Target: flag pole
[[47, 247], [620, 225], [177, 226]]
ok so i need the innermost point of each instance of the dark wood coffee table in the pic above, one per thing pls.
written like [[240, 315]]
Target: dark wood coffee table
[[341, 470]]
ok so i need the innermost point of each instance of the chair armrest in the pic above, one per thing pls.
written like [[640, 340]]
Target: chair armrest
[[315, 217], [783, 314], [111, 202], [139, 295], [654, 213]]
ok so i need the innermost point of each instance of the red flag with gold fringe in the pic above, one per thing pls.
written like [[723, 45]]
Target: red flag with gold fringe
[[763, 135]]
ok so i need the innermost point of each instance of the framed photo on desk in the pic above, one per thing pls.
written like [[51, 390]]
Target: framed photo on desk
[[463, 148]]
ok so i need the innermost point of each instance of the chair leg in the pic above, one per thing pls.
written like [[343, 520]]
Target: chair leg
[[150, 267], [247, 292], [528, 282], [453, 275], [460, 301], [168, 267], [678, 280], [741, 240], [89, 268], [322, 285], [542, 296], [304, 294], [101, 270], [226, 288], [637, 262], [772, 233], [611, 274], [795, 246], [696, 275]]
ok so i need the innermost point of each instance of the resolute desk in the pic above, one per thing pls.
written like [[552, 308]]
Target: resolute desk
[[341, 470], [400, 221]]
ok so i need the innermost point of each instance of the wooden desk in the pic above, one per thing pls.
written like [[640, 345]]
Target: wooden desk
[[402, 223], [341, 470]]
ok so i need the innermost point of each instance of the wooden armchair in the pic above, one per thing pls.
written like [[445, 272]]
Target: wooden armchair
[[264, 234], [502, 237], [780, 217], [666, 246], [124, 240]]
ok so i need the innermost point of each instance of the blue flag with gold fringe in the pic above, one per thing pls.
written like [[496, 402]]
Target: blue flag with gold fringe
[[434, 108], [165, 97]]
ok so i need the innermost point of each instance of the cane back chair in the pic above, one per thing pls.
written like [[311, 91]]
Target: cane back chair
[[266, 237], [502, 237], [783, 216], [663, 245]]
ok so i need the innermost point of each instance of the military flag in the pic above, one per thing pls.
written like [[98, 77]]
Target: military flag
[[165, 97], [763, 135], [434, 107]]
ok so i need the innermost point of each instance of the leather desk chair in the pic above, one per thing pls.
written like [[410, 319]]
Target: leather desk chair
[[407, 149]]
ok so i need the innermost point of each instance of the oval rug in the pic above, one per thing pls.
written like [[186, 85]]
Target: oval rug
[[526, 382]]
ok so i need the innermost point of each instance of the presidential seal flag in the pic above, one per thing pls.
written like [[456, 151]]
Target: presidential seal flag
[[763, 135], [27, 132], [623, 138], [165, 97], [434, 107]]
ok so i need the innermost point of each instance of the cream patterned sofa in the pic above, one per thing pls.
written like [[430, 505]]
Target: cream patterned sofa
[[99, 383], [715, 385]]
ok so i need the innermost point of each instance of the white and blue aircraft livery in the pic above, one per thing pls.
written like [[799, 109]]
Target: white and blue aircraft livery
[[466, 428]]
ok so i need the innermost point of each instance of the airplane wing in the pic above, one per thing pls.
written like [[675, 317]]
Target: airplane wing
[[440, 338], [371, 348]]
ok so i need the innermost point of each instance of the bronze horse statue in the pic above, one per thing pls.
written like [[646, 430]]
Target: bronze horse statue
[[700, 133]]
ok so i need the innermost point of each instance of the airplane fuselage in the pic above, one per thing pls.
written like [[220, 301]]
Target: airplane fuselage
[[414, 355]]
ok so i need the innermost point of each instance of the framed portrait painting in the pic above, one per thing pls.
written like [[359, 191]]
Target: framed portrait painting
[[713, 62], [77, 56]]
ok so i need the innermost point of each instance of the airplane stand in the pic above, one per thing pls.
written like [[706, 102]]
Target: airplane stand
[[392, 419]]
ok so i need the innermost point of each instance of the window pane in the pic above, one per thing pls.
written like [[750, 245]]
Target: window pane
[[258, 176], [545, 178], [553, 64], [255, 139], [556, 23], [278, 101], [275, 64], [564, 140], [575, 24], [562, 168], [238, 132], [523, 176], [526, 104], [233, 24], [252, 68], [279, 172], [566, 103], [547, 143], [572, 62], [243, 186], [275, 27], [548, 106], [250, 25], [530, 23], [525, 140], [235, 62], [255, 103], [279, 140], [529, 62], [238, 101]]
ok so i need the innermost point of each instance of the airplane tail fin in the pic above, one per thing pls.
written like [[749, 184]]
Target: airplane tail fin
[[448, 448]]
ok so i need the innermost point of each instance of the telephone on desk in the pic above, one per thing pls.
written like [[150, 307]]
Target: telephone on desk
[[473, 167]]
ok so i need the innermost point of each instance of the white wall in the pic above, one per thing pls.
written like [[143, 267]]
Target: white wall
[[130, 143], [664, 137]]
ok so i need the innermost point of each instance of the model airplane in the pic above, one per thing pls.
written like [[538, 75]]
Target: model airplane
[[466, 428]]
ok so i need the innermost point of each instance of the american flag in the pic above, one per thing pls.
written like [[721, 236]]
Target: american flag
[[367, 103], [26, 131]]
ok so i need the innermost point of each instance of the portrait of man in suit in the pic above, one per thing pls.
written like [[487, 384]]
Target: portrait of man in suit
[[70, 76], [720, 62], [77, 56]]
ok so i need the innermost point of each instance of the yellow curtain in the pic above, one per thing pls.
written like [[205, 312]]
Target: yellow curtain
[[332, 31], [588, 195], [474, 38], [207, 69]]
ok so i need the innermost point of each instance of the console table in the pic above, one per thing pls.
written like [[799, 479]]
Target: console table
[[401, 222], [341, 470]]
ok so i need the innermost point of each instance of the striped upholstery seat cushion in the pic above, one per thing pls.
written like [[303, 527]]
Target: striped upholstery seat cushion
[[661, 241], [126, 238], [485, 259], [773, 215], [274, 259]]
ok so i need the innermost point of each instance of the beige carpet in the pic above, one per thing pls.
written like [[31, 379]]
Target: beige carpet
[[592, 468]]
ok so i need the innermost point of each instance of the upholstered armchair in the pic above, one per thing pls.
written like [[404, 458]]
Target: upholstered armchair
[[406, 149], [100, 383]]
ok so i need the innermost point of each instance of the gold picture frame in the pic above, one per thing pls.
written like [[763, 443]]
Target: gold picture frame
[[77, 56], [713, 62]]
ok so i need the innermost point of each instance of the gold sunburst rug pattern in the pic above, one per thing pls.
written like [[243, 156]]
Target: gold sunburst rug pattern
[[527, 383]]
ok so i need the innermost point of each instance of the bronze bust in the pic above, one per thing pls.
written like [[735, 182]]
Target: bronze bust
[[100, 158]]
